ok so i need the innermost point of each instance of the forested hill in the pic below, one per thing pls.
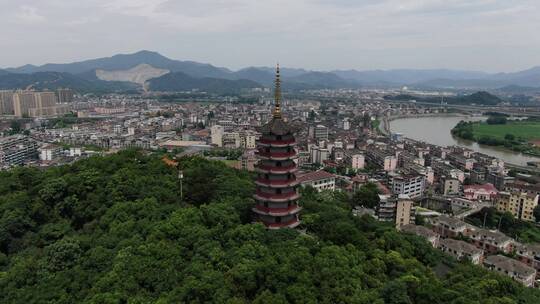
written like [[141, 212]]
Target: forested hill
[[478, 98], [114, 230]]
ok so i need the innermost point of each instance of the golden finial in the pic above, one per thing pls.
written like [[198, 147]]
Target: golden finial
[[277, 95]]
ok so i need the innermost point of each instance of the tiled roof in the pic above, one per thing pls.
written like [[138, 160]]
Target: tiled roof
[[418, 230], [509, 265], [459, 246], [485, 187], [313, 176]]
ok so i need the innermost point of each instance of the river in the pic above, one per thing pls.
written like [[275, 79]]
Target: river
[[436, 130]]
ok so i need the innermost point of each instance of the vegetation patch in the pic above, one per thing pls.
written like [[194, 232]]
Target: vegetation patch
[[114, 229], [516, 135]]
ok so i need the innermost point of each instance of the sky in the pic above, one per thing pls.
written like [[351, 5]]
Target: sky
[[484, 35]]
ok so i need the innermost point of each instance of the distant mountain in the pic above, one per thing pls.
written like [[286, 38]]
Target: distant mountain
[[128, 61], [174, 82], [256, 74], [139, 74], [405, 76], [285, 72], [294, 79], [124, 67], [55, 80], [321, 79], [478, 98]]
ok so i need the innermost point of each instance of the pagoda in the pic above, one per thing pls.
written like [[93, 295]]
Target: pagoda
[[277, 188]]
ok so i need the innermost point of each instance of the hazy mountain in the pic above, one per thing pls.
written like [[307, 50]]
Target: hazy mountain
[[321, 79], [256, 74], [128, 61], [285, 72], [406, 76], [293, 78], [55, 80], [182, 82]]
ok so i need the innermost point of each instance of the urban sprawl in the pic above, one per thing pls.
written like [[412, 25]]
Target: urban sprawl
[[340, 146]]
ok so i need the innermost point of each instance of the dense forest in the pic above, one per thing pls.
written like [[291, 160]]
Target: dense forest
[[114, 229]]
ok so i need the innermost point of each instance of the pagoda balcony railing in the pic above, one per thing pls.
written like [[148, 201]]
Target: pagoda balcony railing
[[276, 169], [277, 142], [276, 182], [281, 196], [281, 211], [276, 154], [292, 223]]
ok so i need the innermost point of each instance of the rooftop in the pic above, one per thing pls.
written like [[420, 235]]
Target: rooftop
[[509, 265], [313, 176], [458, 245]]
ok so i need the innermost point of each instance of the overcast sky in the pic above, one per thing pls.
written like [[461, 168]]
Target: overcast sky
[[489, 35]]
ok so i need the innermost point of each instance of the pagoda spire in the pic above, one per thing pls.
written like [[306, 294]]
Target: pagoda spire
[[277, 95]]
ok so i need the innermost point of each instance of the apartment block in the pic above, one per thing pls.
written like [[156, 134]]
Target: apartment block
[[399, 210], [410, 185], [516, 270], [461, 250], [521, 205], [421, 231]]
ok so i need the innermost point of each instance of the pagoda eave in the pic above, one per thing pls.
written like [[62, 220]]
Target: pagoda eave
[[277, 213], [276, 199]]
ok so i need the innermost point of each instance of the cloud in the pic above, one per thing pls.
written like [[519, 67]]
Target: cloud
[[29, 15], [311, 33]]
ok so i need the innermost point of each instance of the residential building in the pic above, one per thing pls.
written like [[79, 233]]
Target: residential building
[[410, 185], [65, 95], [421, 231], [529, 254], [485, 192], [16, 150], [450, 186], [6, 102], [320, 180], [217, 135], [382, 159], [516, 270], [23, 101], [451, 227], [357, 161], [320, 132], [49, 153], [399, 210], [491, 241], [319, 155], [521, 205], [461, 250]]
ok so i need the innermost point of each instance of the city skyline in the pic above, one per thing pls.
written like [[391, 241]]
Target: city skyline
[[485, 35]]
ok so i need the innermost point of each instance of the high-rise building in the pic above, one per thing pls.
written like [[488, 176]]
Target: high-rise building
[[23, 101], [64, 95], [277, 187], [6, 102]]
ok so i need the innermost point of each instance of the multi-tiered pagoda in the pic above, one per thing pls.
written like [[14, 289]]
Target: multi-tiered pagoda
[[277, 187]]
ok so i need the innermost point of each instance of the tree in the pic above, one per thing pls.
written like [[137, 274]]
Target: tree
[[367, 196], [536, 213]]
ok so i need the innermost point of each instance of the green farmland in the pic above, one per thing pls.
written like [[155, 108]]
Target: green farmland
[[528, 130]]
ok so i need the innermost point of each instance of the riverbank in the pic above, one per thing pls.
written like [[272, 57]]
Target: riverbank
[[520, 136], [436, 130], [387, 119]]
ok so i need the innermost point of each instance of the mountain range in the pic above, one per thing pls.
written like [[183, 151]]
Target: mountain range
[[153, 71]]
